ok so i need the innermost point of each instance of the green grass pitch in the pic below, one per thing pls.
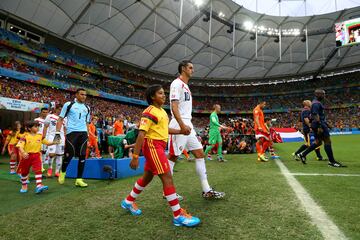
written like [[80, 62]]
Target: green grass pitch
[[259, 203]]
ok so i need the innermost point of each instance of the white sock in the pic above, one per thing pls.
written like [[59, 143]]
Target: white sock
[[172, 164], [58, 163], [45, 158], [50, 162], [201, 171]]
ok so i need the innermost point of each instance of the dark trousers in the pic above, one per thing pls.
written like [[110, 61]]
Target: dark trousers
[[75, 145]]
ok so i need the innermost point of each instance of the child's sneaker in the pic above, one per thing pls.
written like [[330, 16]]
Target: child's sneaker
[[24, 189], [40, 189], [57, 174], [12, 172], [185, 219], [132, 208]]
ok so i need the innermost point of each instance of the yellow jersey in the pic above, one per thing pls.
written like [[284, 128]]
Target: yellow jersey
[[154, 122], [13, 139], [31, 143]]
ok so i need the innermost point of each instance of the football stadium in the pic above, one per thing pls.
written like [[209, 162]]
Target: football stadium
[[180, 119]]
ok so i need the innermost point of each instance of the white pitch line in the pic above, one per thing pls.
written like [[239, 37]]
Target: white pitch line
[[326, 174], [318, 216]]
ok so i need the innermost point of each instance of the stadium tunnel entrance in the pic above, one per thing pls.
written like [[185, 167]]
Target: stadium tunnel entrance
[[8, 117]]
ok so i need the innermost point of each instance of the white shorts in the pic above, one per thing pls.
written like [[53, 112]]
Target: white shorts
[[57, 149], [178, 143]]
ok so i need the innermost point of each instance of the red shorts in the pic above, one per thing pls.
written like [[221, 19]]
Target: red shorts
[[261, 134], [12, 149], [155, 157], [34, 161]]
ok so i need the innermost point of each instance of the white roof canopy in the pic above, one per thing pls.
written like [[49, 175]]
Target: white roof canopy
[[148, 33]]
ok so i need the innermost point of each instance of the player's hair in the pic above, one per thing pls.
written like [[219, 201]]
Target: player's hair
[[182, 64], [13, 127], [216, 104], [80, 89], [306, 102], [319, 91], [151, 91], [261, 101], [44, 108], [267, 119], [30, 124]]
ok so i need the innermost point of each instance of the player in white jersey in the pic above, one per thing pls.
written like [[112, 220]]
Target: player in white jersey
[[54, 151], [43, 113], [181, 108]]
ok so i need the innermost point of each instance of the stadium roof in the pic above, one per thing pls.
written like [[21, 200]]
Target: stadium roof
[[154, 35], [297, 8]]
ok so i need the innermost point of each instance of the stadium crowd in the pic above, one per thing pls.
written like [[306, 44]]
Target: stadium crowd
[[337, 96], [109, 110]]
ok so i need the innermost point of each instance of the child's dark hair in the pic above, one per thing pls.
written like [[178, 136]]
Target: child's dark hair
[[14, 127], [151, 91], [23, 128], [30, 124]]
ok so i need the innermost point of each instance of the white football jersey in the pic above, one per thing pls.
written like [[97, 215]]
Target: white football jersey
[[41, 126], [180, 91], [51, 121]]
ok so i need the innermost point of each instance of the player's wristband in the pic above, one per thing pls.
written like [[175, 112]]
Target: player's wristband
[[135, 155]]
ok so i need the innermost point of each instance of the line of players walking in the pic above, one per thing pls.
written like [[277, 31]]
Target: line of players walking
[[314, 121], [154, 132]]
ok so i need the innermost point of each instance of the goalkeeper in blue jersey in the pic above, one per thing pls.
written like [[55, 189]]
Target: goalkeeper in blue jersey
[[214, 133]]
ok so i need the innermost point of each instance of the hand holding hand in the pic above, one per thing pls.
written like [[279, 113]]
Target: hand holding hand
[[134, 163], [25, 155], [186, 130], [57, 138]]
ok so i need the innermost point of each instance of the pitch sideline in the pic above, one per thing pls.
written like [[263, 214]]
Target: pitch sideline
[[326, 226], [326, 174]]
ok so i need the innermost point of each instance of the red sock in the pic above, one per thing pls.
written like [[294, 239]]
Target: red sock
[[12, 165], [38, 178], [170, 194], [138, 188], [24, 178]]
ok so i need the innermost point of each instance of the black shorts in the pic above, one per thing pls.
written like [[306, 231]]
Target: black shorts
[[76, 144], [325, 132]]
